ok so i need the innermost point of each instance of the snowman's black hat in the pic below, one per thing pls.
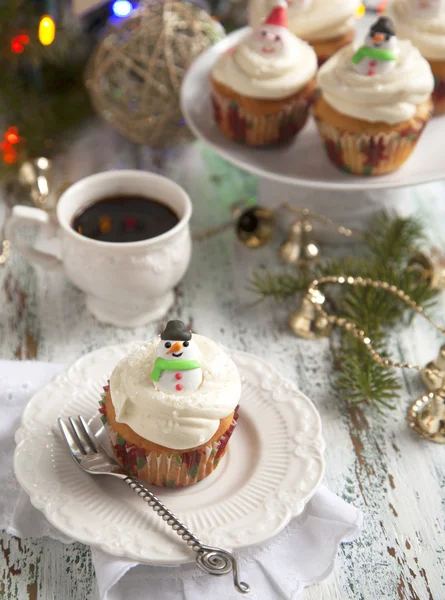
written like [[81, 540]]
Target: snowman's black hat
[[176, 331], [383, 25]]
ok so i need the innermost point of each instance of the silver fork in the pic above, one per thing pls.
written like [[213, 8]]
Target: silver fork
[[92, 458]]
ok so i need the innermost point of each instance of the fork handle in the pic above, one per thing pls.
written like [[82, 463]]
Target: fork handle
[[213, 561]]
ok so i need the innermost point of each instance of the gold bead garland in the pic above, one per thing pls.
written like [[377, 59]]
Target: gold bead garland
[[427, 414], [317, 299]]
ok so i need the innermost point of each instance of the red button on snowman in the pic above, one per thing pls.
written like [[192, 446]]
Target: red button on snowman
[[177, 369], [379, 53]]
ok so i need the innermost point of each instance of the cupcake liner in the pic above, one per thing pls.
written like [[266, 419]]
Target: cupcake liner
[[277, 128], [439, 95], [174, 469], [369, 154]]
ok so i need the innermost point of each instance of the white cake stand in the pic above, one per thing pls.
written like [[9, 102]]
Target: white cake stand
[[302, 173]]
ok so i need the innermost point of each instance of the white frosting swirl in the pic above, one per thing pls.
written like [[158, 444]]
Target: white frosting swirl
[[173, 420], [426, 34], [390, 97], [313, 21], [250, 71]]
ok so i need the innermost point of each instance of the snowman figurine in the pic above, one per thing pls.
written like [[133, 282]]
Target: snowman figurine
[[273, 38], [379, 53], [177, 369], [425, 9]]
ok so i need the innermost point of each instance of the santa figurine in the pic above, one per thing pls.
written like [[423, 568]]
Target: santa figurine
[[177, 368], [425, 9], [273, 38], [379, 53], [259, 8]]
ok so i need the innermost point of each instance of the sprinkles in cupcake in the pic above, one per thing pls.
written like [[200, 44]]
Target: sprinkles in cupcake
[[177, 368], [379, 53]]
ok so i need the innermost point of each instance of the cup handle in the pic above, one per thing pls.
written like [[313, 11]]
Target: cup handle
[[24, 215]]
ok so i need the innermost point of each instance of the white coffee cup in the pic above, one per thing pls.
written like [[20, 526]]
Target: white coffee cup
[[126, 284]]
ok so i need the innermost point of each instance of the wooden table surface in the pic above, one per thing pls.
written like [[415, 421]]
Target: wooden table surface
[[378, 464]]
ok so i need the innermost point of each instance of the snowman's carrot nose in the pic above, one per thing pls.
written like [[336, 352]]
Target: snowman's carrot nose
[[378, 37], [175, 348]]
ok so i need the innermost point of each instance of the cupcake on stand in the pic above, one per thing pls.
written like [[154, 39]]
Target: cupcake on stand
[[373, 102], [327, 25], [423, 23], [263, 87]]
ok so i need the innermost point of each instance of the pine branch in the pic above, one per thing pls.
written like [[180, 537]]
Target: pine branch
[[389, 244], [391, 238], [361, 380], [375, 309], [279, 286]]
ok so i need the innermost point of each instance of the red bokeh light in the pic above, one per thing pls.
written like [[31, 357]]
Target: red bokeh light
[[11, 137], [10, 158], [18, 43]]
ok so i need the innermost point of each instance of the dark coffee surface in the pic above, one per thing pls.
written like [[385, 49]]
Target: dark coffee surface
[[124, 219]]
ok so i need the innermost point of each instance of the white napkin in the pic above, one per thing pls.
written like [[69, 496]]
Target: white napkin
[[303, 554]]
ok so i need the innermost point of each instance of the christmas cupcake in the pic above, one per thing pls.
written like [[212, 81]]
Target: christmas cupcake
[[374, 102], [423, 23], [327, 25], [262, 88], [171, 407]]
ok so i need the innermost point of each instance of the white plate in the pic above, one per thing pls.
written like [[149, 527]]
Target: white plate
[[273, 465], [304, 163]]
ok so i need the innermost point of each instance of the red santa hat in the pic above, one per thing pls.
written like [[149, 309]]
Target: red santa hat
[[278, 15]]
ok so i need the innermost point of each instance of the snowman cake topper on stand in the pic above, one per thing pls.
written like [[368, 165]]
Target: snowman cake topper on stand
[[177, 368], [425, 9], [380, 50]]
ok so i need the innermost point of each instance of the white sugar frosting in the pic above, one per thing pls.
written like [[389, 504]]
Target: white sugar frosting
[[175, 420], [428, 35], [390, 97], [313, 21], [245, 70]]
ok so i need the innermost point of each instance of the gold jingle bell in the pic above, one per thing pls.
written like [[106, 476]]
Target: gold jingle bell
[[290, 251], [298, 249], [307, 323], [431, 268], [255, 227], [434, 377], [427, 416]]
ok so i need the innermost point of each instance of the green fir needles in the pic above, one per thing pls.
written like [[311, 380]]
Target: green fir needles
[[388, 245]]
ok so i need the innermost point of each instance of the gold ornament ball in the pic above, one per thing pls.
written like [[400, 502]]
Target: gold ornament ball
[[134, 76], [255, 227]]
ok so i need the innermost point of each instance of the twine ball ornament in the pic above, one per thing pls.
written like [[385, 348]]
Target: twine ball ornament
[[134, 76]]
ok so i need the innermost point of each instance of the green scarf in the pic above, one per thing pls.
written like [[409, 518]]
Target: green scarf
[[162, 364], [375, 53]]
